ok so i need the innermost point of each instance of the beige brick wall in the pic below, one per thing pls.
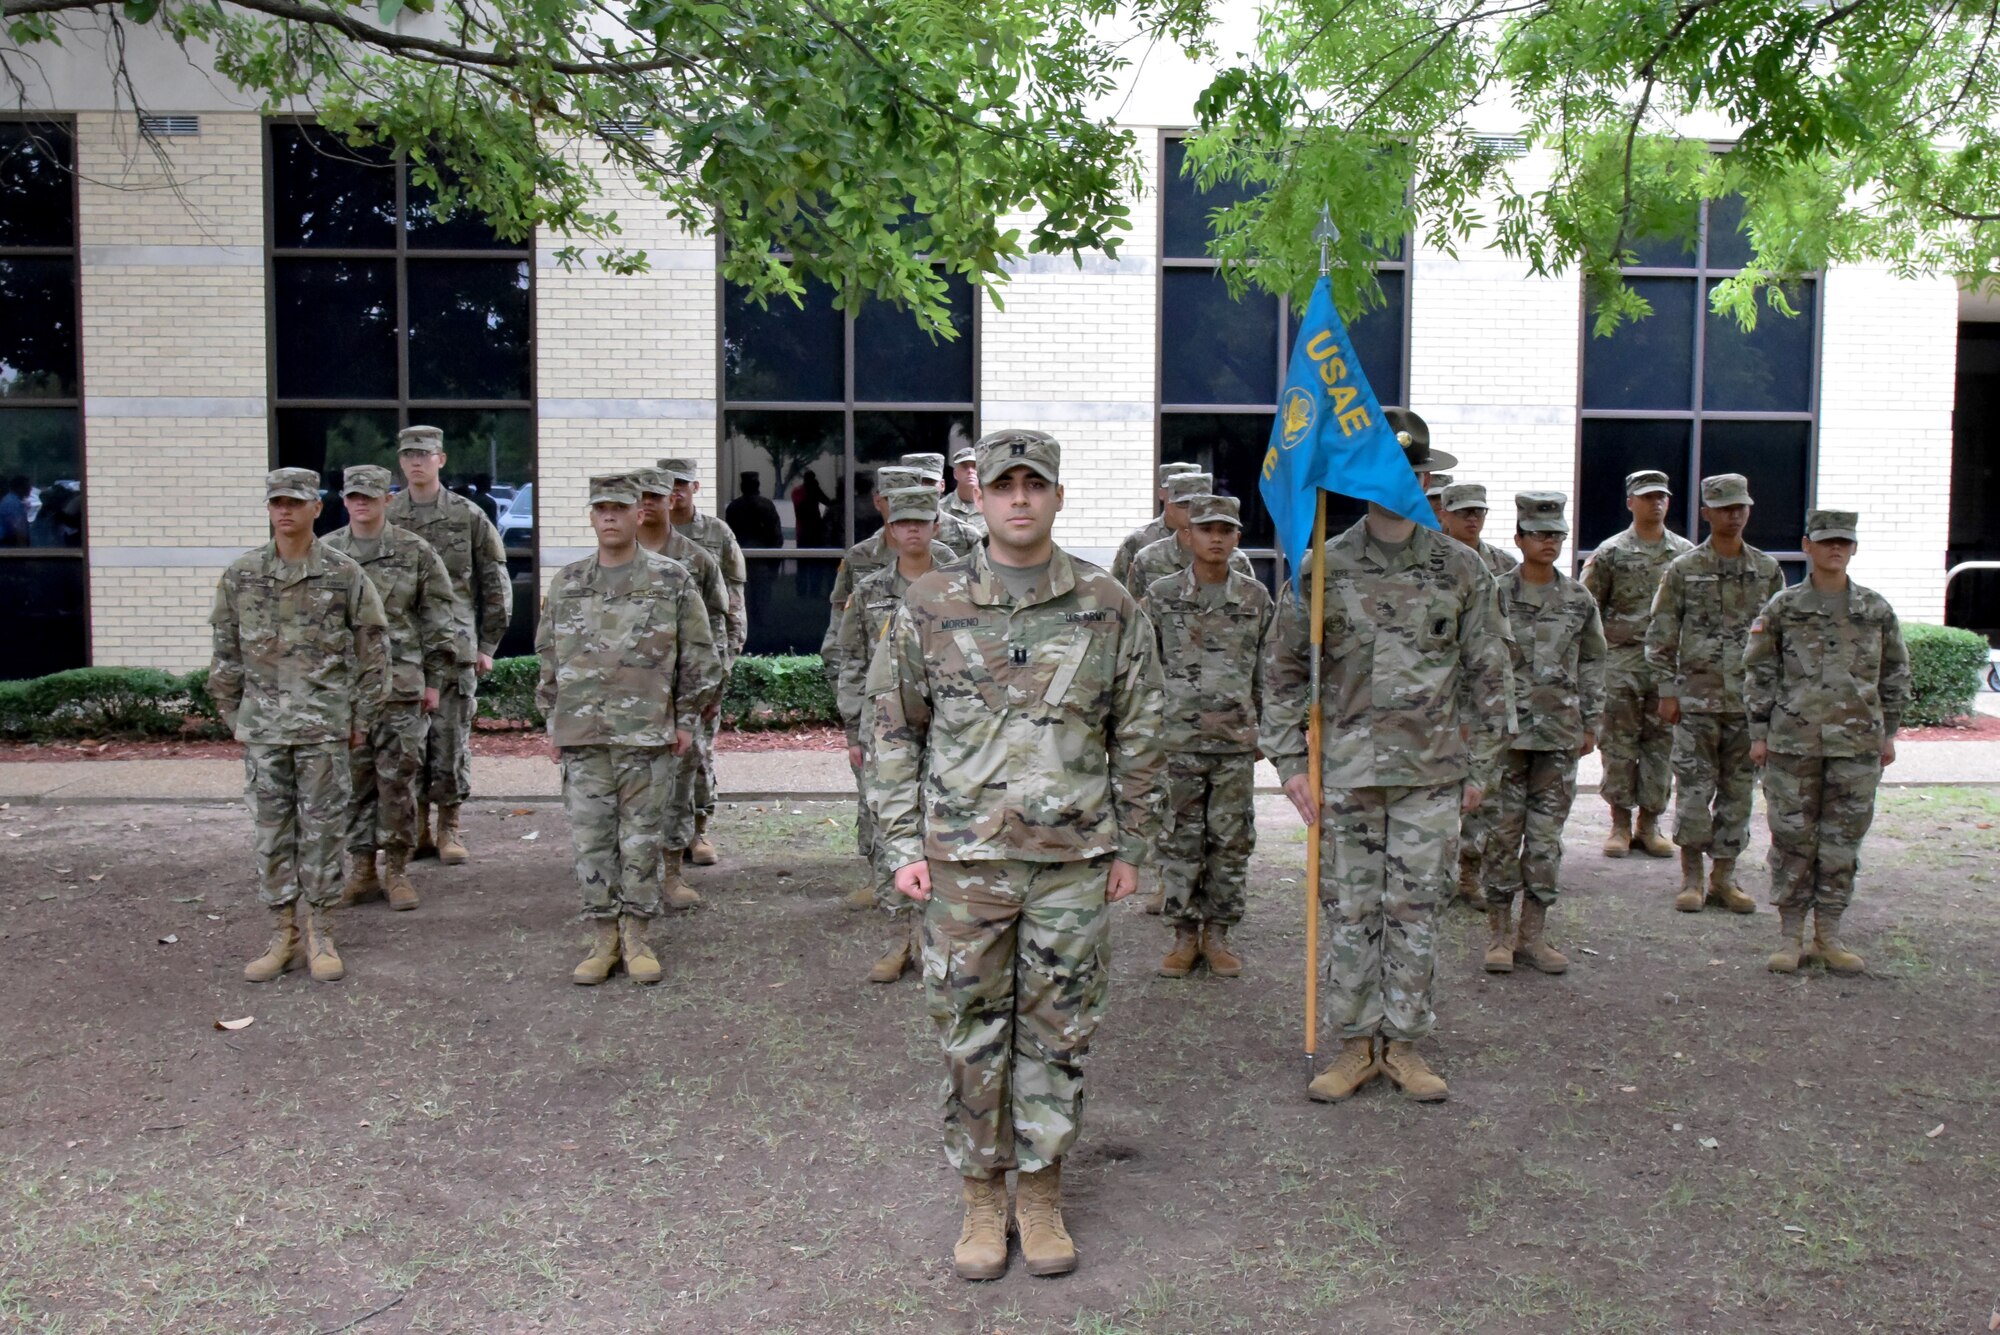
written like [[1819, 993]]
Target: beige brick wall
[[152, 617]]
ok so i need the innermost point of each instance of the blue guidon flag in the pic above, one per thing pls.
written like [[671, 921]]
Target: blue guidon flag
[[1330, 435]]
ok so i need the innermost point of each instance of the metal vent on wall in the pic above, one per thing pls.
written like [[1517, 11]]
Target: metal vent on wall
[[1502, 145], [624, 129], [161, 127]]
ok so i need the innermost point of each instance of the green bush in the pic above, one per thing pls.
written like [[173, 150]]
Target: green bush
[[97, 702], [763, 692], [1946, 665], [507, 693]]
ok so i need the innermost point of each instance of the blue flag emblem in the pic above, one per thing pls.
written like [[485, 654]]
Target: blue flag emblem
[[1330, 435]]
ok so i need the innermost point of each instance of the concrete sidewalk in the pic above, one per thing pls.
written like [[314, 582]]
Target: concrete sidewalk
[[745, 776]]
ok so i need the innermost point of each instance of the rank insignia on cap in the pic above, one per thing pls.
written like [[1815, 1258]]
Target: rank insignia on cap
[[1020, 448]]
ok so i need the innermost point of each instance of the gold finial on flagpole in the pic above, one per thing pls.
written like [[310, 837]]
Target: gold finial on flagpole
[[1327, 235]]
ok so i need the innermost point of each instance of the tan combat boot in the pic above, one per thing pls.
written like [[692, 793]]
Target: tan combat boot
[[1792, 927], [1538, 954], [981, 1252], [396, 876], [363, 884], [1690, 898], [641, 964], [677, 893], [701, 852], [1353, 1068], [1648, 837], [1222, 961], [321, 957], [1469, 890], [1826, 946], [1180, 961], [603, 957], [1499, 939], [902, 953], [451, 850], [425, 847], [1723, 890], [1045, 1243], [1619, 842], [283, 952], [1407, 1069], [859, 898]]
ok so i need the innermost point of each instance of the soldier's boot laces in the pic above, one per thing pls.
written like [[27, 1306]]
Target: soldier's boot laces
[[1408, 1070], [1499, 939], [1723, 890], [603, 957], [1536, 952], [1045, 1243], [981, 1252], [901, 954], [283, 951], [1156, 904], [677, 893], [451, 849], [641, 964], [1648, 837], [1469, 889], [1619, 842], [1689, 900], [1826, 944], [1353, 1068], [396, 877], [321, 956], [426, 846], [1792, 928], [1180, 961], [701, 852], [1222, 961], [362, 882], [860, 897]]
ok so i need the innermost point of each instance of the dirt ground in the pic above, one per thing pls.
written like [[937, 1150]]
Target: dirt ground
[[1667, 1139]]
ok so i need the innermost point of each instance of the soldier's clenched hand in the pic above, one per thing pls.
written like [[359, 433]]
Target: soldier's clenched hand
[[1299, 789], [914, 881], [1123, 881], [1473, 796], [430, 699], [1670, 708], [683, 739], [1759, 752]]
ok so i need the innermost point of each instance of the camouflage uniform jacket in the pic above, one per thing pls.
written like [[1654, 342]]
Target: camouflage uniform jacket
[[415, 590], [714, 537], [301, 656], [863, 559], [958, 535], [1157, 560], [966, 512], [1496, 561], [1558, 654], [468, 544], [863, 623], [1026, 731], [1144, 536], [624, 668], [1212, 658], [1414, 682], [1701, 626], [708, 581], [1826, 676], [1623, 574]]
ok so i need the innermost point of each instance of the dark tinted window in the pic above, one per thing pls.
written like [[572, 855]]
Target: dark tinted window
[[1776, 457], [41, 466], [328, 195], [41, 616], [468, 329], [1218, 349], [1231, 446], [896, 362], [1616, 447], [465, 229], [798, 458], [787, 600], [1378, 340], [1728, 244], [1766, 369], [36, 192], [1668, 248], [336, 328], [783, 352], [38, 334], [1185, 207], [1645, 363]]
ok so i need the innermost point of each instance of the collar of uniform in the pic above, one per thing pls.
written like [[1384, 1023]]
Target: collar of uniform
[[644, 571], [1360, 542], [314, 564], [987, 591]]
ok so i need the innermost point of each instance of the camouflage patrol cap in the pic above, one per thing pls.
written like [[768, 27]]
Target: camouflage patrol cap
[[615, 488], [1646, 481], [1825, 525], [1168, 471], [420, 440], [1439, 481], [930, 465], [678, 470], [1540, 512], [964, 453], [1210, 509], [1182, 486], [300, 484], [912, 503], [1465, 496], [1725, 489], [364, 480], [895, 477], [652, 481], [1002, 450], [1414, 435]]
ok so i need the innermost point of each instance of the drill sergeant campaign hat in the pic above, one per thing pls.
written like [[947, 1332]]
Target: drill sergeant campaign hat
[[614, 488], [678, 470], [364, 480], [1540, 512], [420, 440], [895, 477], [1646, 481], [1439, 481], [652, 481], [1465, 496], [1824, 525], [931, 466], [1002, 450], [300, 484], [1167, 472], [1414, 435], [912, 503], [1184, 486], [1725, 489], [1210, 509]]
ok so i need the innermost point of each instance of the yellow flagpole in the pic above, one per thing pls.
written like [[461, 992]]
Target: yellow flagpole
[[1314, 722]]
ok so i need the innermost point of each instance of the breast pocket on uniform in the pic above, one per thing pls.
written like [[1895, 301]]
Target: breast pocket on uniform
[[1080, 675]]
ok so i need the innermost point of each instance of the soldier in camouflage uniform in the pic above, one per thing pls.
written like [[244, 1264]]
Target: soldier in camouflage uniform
[[1173, 554], [1623, 574], [912, 514], [962, 503], [660, 536], [1826, 679], [714, 537], [1694, 645], [1559, 653], [1461, 508], [299, 668], [1211, 621], [961, 537], [483, 598], [1153, 529], [1414, 691], [1016, 773], [628, 665], [424, 649], [1434, 493]]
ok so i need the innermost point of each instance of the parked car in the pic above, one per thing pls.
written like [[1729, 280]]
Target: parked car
[[517, 519]]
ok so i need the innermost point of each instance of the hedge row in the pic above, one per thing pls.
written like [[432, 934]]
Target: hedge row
[[1946, 667], [779, 691]]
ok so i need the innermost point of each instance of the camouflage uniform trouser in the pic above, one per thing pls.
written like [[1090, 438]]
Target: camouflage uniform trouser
[[614, 796], [1712, 764], [1820, 808], [387, 770], [704, 741], [1205, 855], [1384, 854], [1475, 846], [298, 797], [677, 807], [1536, 790], [886, 896], [1635, 742], [1016, 962], [448, 748]]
